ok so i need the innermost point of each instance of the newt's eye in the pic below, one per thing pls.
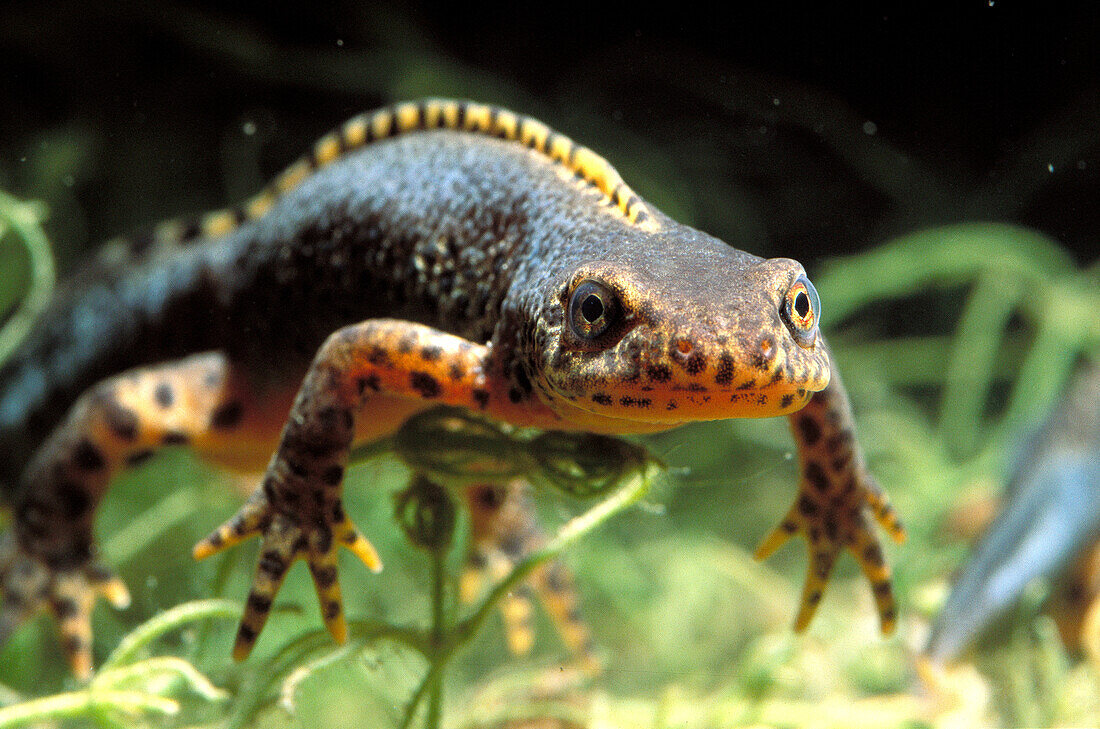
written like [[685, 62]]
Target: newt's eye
[[593, 309], [800, 311]]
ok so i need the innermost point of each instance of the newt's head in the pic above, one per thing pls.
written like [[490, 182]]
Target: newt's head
[[666, 334]]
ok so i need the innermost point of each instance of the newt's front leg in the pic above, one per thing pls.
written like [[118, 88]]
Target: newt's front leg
[[298, 509], [835, 493]]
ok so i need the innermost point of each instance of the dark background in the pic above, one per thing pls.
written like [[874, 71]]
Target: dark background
[[807, 133]]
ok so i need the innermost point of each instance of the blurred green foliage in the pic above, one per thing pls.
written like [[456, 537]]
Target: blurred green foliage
[[954, 338]]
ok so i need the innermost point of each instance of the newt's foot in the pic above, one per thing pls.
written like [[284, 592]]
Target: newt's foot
[[28, 584], [552, 584], [504, 531], [833, 521], [288, 537]]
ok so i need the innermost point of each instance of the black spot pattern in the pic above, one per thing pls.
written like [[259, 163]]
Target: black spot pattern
[[164, 395], [695, 363], [809, 429], [333, 475], [816, 477], [87, 457], [481, 397], [174, 437], [122, 421], [659, 373], [227, 416], [724, 376], [424, 384], [371, 382]]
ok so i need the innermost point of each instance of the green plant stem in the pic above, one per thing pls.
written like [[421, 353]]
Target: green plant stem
[[9, 696], [160, 666], [939, 258], [464, 631], [435, 670], [79, 703], [150, 525], [377, 630], [439, 607], [439, 628], [166, 622], [24, 219], [439, 648]]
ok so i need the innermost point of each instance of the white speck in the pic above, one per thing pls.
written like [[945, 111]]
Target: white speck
[[340, 42], [1081, 164], [22, 159], [775, 101], [249, 128], [992, 3], [1050, 167], [869, 128]]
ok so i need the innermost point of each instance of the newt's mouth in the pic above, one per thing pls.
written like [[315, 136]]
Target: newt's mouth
[[685, 380]]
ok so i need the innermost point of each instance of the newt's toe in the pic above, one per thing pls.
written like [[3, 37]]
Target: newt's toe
[[28, 584], [250, 520], [282, 545], [286, 539], [832, 525]]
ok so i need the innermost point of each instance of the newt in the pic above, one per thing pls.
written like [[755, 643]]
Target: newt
[[1048, 528], [429, 253]]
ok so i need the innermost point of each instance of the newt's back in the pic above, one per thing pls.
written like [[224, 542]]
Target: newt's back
[[429, 228]]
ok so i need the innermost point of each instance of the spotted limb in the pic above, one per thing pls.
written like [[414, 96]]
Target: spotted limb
[[48, 560], [504, 530], [835, 494], [298, 508]]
